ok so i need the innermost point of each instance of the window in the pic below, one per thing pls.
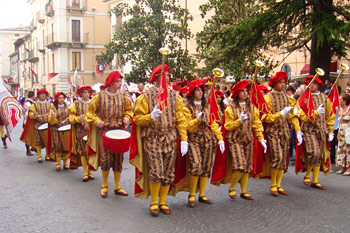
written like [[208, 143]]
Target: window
[[43, 39], [36, 77], [75, 30], [44, 64], [53, 63], [53, 88], [76, 60], [76, 4]]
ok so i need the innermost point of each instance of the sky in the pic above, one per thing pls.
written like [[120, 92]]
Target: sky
[[14, 12]]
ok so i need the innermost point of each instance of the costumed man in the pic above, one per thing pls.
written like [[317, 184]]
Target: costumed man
[[202, 139], [277, 129], [157, 132], [38, 115], [79, 129], [315, 130], [58, 117], [109, 109], [183, 91], [241, 122], [26, 105], [3, 135]]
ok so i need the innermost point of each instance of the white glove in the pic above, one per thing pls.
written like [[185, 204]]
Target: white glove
[[321, 109], [156, 113], [295, 110], [330, 137], [285, 111], [263, 143], [243, 117], [184, 148], [222, 146], [300, 137], [200, 116]]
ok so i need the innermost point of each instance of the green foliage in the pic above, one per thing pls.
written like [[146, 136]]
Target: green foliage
[[153, 24], [232, 39]]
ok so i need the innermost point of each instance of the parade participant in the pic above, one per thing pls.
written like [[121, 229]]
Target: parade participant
[[220, 100], [202, 141], [26, 105], [157, 141], [140, 87], [3, 135], [39, 112], [58, 117], [277, 129], [315, 131], [79, 129], [241, 122], [183, 92], [109, 109]]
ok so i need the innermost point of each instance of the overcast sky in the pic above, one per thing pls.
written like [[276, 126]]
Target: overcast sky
[[14, 12]]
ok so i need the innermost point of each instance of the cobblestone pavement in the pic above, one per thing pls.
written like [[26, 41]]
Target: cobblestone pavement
[[36, 198]]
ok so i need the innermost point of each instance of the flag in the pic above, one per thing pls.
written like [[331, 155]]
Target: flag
[[334, 98], [213, 107], [307, 104], [257, 99], [100, 68], [35, 74], [52, 75], [10, 109], [163, 93]]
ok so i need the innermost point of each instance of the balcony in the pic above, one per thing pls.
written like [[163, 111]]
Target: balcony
[[33, 56], [77, 6], [53, 42], [49, 10]]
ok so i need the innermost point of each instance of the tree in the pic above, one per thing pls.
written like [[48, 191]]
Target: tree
[[153, 24], [271, 24]]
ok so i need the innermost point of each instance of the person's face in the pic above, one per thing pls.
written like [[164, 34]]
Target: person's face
[[280, 85], [60, 99], [85, 95], [42, 96], [198, 93], [183, 94], [93, 93], [218, 99], [159, 78], [341, 101], [243, 94], [141, 86], [117, 84], [314, 87]]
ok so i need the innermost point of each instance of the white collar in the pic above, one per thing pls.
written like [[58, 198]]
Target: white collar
[[111, 94], [273, 90], [60, 105], [242, 103], [42, 102], [197, 102], [316, 93], [84, 102]]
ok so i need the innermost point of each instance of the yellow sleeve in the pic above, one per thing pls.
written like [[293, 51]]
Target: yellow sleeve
[[52, 120], [230, 122], [141, 111], [292, 117], [257, 125], [270, 117], [73, 118], [330, 117], [90, 115], [215, 128], [181, 122], [192, 123], [127, 109], [32, 110]]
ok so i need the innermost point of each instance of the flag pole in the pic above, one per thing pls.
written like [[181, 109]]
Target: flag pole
[[165, 52]]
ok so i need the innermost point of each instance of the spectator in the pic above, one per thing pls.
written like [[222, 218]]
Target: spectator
[[290, 91], [334, 143], [343, 155]]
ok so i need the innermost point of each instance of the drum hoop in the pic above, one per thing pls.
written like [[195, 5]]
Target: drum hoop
[[47, 126], [104, 134], [68, 128]]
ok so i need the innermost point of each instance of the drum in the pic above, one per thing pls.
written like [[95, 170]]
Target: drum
[[63, 133], [43, 132], [116, 140]]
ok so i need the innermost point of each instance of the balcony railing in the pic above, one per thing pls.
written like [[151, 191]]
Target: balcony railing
[[33, 56], [77, 5], [52, 41]]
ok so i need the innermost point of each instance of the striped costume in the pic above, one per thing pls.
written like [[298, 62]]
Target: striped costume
[[42, 109], [61, 119]]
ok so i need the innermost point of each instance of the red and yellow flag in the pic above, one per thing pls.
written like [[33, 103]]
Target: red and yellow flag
[[163, 93], [257, 99], [307, 104], [334, 98]]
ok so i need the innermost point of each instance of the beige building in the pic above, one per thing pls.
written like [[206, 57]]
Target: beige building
[[66, 35], [7, 48]]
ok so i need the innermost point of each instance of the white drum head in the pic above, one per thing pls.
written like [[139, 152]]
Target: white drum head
[[118, 134], [85, 138], [64, 128], [43, 126]]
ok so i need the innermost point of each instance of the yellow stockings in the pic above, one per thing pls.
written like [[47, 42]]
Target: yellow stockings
[[154, 189]]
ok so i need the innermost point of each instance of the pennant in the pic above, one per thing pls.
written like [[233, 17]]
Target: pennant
[[307, 104], [213, 107], [257, 99], [334, 98], [10, 109], [35, 74], [52, 75], [163, 93], [100, 68]]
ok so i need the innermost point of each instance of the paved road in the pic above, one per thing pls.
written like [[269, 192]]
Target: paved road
[[35, 198]]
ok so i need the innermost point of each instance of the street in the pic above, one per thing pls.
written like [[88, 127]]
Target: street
[[36, 198]]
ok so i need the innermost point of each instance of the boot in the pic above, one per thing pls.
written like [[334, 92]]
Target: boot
[[28, 152], [4, 142]]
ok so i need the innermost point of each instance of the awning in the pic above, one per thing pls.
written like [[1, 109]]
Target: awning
[[306, 68]]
